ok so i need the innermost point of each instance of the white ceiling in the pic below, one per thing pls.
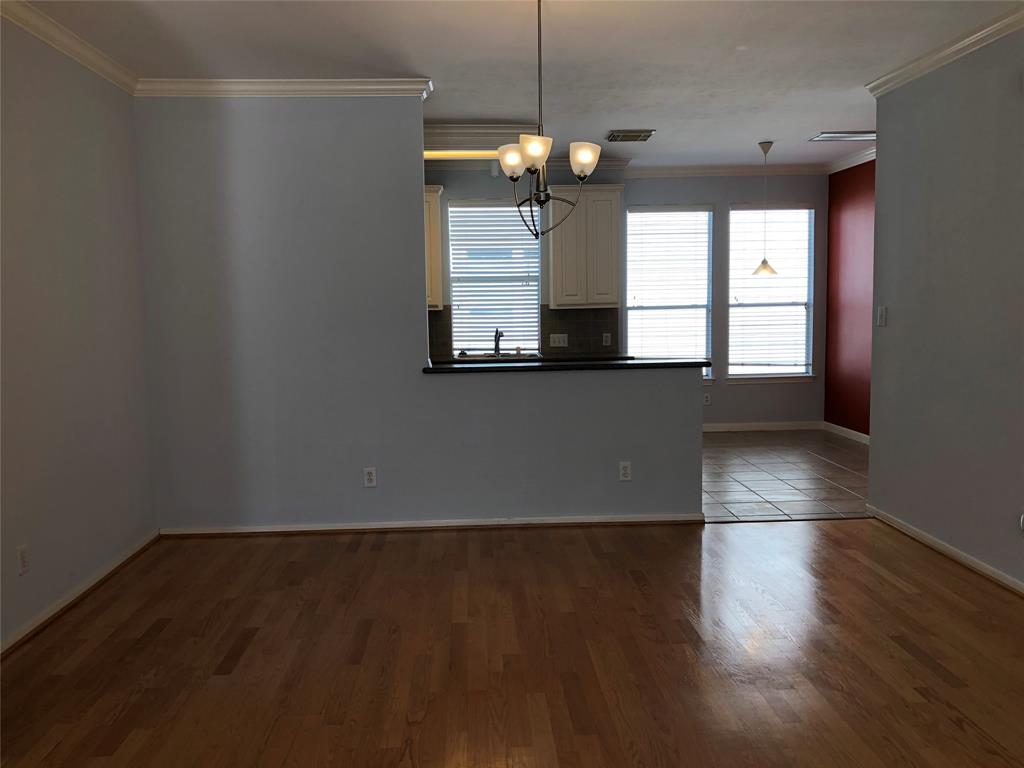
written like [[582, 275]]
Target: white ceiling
[[712, 77]]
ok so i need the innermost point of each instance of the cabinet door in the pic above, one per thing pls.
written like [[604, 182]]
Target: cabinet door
[[432, 245], [568, 255], [603, 245]]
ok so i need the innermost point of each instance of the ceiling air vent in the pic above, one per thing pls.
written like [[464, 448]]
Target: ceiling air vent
[[636, 134]]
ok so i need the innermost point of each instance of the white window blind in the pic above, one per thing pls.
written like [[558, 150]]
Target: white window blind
[[770, 315], [495, 279], [668, 258]]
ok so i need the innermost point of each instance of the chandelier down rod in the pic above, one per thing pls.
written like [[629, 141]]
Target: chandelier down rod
[[540, 73]]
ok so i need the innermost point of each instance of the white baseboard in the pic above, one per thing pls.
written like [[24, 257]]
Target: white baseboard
[[489, 522], [851, 434], [949, 550], [761, 426], [44, 616], [780, 426]]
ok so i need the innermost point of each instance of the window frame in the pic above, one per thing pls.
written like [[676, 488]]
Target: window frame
[[810, 373], [708, 306], [486, 202]]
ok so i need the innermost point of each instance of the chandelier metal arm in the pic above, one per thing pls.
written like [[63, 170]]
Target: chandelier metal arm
[[534, 187], [531, 225], [519, 207], [572, 207]]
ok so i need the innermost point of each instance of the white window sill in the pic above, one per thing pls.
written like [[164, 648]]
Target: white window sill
[[789, 378]]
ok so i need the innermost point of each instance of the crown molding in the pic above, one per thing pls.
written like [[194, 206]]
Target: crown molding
[[685, 171], [67, 42], [461, 165], [37, 23], [992, 31], [471, 136], [460, 154], [857, 158], [405, 86], [554, 164], [603, 163]]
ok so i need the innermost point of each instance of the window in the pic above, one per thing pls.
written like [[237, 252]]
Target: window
[[770, 315], [668, 258], [495, 278]]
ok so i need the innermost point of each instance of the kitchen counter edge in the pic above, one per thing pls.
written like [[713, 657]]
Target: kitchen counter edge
[[564, 365]]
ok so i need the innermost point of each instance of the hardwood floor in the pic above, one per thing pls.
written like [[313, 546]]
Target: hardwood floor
[[817, 643]]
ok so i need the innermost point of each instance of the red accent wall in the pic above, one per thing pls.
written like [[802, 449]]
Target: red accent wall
[[851, 254]]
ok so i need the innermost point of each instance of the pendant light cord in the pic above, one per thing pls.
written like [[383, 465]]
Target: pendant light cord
[[540, 77], [764, 211]]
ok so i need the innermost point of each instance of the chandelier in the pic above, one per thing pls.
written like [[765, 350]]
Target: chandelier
[[530, 156]]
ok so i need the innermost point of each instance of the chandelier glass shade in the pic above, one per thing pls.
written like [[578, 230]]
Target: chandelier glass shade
[[583, 158], [510, 156], [535, 150], [530, 157]]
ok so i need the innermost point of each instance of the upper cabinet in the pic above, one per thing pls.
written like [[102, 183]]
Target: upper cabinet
[[585, 253], [432, 245], [567, 252]]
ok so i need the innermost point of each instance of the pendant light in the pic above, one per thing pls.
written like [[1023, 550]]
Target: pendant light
[[530, 156], [764, 268]]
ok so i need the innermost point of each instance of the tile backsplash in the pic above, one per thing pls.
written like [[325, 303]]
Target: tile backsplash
[[585, 329], [439, 322]]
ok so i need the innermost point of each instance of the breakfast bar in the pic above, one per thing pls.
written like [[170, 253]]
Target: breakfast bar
[[512, 364], [582, 440]]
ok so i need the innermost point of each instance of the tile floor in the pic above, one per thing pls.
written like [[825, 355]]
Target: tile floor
[[761, 476]]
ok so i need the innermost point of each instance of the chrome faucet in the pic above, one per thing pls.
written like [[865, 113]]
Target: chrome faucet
[[497, 342]]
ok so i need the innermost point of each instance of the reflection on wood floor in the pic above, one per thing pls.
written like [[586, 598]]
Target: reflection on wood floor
[[815, 643]]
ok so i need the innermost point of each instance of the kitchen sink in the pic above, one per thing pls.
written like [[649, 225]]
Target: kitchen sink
[[512, 357]]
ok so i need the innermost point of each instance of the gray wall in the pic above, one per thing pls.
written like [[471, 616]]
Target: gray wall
[[731, 401], [75, 482], [947, 392], [287, 331]]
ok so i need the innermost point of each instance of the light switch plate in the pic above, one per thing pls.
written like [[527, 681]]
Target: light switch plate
[[606, 339], [881, 316], [559, 340]]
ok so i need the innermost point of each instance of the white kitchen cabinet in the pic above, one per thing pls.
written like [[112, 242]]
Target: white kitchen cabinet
[[585, 253], [432, 245], [568, 254]]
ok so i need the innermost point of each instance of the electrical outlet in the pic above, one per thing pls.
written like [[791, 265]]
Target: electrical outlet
[[881, 316], [559, 340], [625, 471], [22, 560], [606, 339], [369, 477], [707, 398]]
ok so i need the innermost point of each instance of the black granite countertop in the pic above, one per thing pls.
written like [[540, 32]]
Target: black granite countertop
[[508, 365]]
